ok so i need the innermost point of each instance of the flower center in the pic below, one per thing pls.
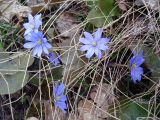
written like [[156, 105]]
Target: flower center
[[57, 98], [32, 26], [39, 42], [94, 43], [134, 66]]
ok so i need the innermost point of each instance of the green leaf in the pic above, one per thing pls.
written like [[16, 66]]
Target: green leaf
[[1, 45], [8, 67], [152, 61], [13, 71], [102, 14], [91, 3], [132, 111], [129, 110], [15, 82], [97, 18]]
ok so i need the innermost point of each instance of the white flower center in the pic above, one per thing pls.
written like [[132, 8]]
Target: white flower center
[[32, 26], [134, 66], [94, 43], [39, 42], [57, 98]]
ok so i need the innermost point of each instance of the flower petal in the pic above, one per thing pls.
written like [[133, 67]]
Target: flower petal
[[35, 51], [38, 21], [85, 47], [90, 52], [60, 89], [98, 34], [29, 45], [48, 45], [61, 105], [85, 41], [104, 40], [30, 18], [39, 50], [98, 53], [26, 25], [88, 36], [63, 98], [45, 49]]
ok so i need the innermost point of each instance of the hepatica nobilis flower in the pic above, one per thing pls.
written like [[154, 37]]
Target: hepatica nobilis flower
[[94, 44], [54, 58], [33, 23], [59, 97], [136, 70], [38, 43]]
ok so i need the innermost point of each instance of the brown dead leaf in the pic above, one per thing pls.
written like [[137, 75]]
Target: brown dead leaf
[[10, 8], [70, 33], [53, 114], [122, 5], [86, 110], [152, 4], [32, 118], [37, 5], [103, 97]]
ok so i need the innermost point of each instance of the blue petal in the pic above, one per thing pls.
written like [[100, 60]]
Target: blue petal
[[29, 45], [38, 21], [45, 49], [39, 50], [61, 105], [26, 25], [98, 34], [63, 98], [104, 40], [90, 52], [29, 30], [137, 58], [55, 89], [35, 51], [98, 53], [48, 45], [88, 36], [85, 47], [60, 89], [85, 41], [136, 73], [30, 18]]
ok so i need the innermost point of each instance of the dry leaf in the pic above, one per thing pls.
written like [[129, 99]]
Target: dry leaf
[[32, 118], [37, 5], [69, 30], [152, 4], [122, 5], [103, 97], [53, 114], [10, 8]]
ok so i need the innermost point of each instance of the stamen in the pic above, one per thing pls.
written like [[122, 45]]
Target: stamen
[[39, 42], [94, 43]]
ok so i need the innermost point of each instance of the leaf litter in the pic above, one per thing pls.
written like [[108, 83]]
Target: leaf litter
[[97, 98]]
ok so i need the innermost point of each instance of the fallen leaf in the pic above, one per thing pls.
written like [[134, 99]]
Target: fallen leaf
[[53, 114], [10, 8], [122, 5], [103, 97], [37, 5], [152, 4], [70, 33], [32, 118]]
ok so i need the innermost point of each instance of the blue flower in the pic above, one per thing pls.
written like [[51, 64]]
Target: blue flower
[[59, 98], [136, 70], [94, 44], [33, 24], [38, 43], [54, 58]]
